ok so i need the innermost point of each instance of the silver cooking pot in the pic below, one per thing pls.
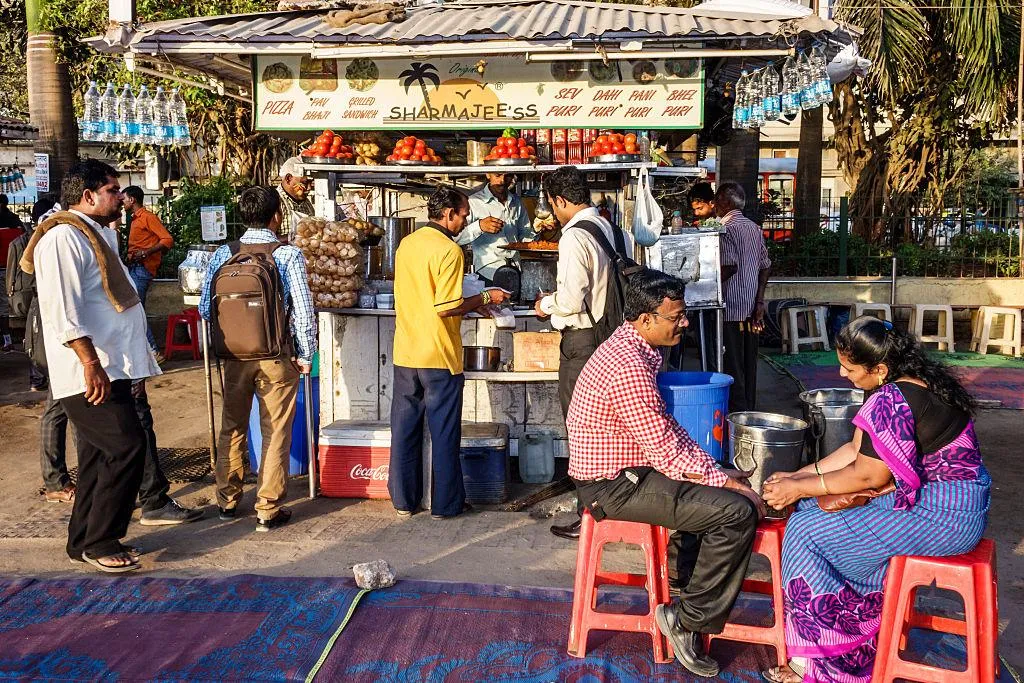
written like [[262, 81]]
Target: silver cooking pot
[[394, 230], [481, 358]]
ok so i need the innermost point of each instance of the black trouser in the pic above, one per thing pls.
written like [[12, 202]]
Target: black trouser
[[438, 395], [53, 437], [154, 487], [741, 364], [575, 349], [37, 376], [724, 520], [111, 455]]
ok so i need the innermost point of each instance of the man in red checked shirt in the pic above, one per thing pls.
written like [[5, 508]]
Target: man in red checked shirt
[[630, 460]]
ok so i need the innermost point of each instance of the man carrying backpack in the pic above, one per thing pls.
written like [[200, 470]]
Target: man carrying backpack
[[587, 305], [258, 302]]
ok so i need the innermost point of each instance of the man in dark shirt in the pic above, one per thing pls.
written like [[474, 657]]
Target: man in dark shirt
[[8, 219]]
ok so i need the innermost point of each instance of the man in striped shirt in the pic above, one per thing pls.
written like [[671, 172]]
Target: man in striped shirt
[[630, 460], [745, 268]]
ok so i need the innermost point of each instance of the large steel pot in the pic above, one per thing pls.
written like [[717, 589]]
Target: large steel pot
[[394, 230], [830, 412], [481, 358], [765, 443]]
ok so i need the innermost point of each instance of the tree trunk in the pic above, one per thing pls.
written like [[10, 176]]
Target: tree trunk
[[807, 194], [49, 97], [738, 162]]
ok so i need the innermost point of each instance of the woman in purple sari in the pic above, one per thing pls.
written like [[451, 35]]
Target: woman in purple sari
[[915, 430]]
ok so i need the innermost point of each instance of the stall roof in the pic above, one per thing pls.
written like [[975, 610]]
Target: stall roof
[[218, 46], [14, 129]]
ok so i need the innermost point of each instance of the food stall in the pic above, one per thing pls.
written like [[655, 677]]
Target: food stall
[[438, 80]]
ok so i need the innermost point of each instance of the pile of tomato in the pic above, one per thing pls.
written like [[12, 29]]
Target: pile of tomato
[[508, 147], [413, 149], [331, 146], [614, 143]]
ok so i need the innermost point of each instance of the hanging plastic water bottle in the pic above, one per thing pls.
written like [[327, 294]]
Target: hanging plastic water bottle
[[127, 127], [161, 121], [808, 86], [89, 125], [756, 86], [107, 129], [741, 106], [790, 87], [179, 112], [823, 84], [144, 116], [770, 92]]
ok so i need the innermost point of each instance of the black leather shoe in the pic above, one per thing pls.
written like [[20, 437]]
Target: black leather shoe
[[686, 644], [569, 531], [278, 520]]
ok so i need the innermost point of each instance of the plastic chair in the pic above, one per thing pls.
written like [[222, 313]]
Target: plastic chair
[[767, 542], [973, 576], [653, 540], [190, 319], [817, 330]]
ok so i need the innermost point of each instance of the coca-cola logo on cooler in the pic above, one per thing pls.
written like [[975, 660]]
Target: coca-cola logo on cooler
[[379, 473]]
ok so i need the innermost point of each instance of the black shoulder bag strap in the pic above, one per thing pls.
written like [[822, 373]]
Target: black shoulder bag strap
[[595, 231]]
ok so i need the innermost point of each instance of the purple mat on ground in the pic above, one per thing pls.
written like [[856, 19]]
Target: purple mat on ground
[[275, 629], [986, 384]]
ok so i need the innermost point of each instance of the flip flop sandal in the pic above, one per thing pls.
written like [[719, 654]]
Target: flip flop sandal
[[135, 551], [777, 675], [108, 569]]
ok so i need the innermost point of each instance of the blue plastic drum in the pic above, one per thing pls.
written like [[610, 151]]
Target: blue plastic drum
[[699, 401], [298, 460]]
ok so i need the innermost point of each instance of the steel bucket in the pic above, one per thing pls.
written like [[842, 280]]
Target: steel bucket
[[765, 443], [394, 230], [829, 412]]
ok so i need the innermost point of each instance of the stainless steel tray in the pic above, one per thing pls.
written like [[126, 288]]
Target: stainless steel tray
[[615, 159], [409, 162], [510, 162], [330, 161]]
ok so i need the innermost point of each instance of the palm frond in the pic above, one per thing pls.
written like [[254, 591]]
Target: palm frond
[[974, 32]]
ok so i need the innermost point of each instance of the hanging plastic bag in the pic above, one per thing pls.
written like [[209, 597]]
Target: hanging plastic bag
[[648, 218]]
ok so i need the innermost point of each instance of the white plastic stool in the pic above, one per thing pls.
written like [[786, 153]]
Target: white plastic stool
[[944, 334], [981, 337], [817, 331], [873, 309]]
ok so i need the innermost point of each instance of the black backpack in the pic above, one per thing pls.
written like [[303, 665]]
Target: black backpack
[[248, 315], [21, 286], [623, 268]]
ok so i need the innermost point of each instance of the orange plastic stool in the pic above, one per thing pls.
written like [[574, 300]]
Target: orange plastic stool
[[767, 542], [189, 318], [653, 540], [973, 576]]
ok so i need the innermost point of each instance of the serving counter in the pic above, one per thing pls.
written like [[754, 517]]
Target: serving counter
[[357, 371]]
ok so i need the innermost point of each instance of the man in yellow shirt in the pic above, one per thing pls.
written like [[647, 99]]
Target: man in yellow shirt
[[428, 358]]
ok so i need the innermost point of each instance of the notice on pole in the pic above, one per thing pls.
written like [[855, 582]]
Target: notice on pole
[[302, 93], [42, 165], [214, 221]]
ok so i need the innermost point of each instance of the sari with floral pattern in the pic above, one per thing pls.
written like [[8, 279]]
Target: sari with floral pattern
[[834, 564]]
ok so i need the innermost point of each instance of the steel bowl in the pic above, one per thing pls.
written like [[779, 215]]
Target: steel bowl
[[481, 358]]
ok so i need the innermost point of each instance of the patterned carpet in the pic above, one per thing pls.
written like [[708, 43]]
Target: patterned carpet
[[277, 629]]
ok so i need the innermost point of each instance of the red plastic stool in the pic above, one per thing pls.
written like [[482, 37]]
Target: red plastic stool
[[767, 542], [653, 540], [973, 576], [189, 318]]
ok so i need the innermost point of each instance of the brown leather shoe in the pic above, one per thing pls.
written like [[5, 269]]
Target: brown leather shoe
[[65, 495]]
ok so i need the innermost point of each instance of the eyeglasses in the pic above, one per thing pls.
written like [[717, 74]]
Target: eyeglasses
[[674, 319]]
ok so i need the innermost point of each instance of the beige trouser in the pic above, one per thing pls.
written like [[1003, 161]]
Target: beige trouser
[[275, 384]]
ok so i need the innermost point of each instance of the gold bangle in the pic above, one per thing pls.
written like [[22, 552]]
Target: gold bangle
[[485, 297], [821, 478]]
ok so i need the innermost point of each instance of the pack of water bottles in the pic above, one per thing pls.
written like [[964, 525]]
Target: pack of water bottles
[[150, 119], [11, 179], [767, 95]]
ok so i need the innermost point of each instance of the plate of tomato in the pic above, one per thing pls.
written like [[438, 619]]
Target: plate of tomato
[[511, 151], [329, 148], [412, 151], [614, 144]]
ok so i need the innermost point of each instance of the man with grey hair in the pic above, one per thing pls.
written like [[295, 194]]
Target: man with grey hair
[[745, 268], [295, 202]]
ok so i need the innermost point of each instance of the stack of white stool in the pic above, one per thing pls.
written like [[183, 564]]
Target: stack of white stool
[[944, 335], [981, 330], [880, 311], [817, 330]]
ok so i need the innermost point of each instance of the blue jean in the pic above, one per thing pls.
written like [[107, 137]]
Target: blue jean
[[436, 395], [142, 279]]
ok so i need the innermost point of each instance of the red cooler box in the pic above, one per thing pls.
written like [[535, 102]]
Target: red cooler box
[[354, 458]]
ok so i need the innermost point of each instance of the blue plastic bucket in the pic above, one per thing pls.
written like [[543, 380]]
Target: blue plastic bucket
[[699, 401], [298, 459], [485, 460]]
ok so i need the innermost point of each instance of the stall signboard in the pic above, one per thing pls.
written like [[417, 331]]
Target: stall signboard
[[296, 92], [42, 167]]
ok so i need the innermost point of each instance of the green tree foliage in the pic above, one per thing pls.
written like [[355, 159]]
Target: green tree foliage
[[942, 83]]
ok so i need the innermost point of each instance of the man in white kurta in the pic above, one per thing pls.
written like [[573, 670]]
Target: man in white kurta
[[94, 333]]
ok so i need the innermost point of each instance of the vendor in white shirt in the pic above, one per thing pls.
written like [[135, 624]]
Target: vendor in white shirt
[[496, 217]]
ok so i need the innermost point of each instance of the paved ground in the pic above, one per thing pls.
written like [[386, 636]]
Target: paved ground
[[329, 535]]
